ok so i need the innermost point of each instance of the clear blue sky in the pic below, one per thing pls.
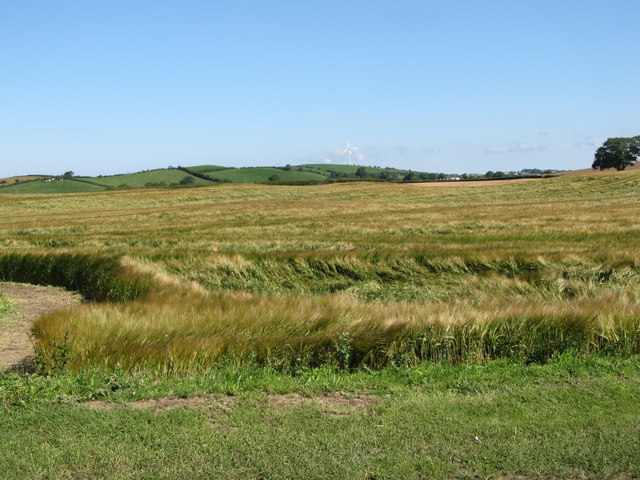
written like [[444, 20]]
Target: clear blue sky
[[102, 87]]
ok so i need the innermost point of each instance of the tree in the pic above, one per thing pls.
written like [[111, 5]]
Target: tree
[[386, 176], [187, 180], [67, 175], [361, 172], [618, 153], [410, 177], [274, 178]]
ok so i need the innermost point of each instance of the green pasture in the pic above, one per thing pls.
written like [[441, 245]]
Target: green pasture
[[207, 168], [262, 174], [140, 179], [331, 167], [55, 186]]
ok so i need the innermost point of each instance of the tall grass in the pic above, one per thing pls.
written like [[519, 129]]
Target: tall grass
[[408, 277], [99, 278], [179, 326], [185, 332]]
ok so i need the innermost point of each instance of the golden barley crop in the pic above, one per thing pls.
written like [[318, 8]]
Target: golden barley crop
[[347, 274]]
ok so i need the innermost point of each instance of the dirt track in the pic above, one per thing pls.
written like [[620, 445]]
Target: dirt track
[[32, 301]]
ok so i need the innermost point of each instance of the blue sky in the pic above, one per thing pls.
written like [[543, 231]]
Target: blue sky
[[105, 87]]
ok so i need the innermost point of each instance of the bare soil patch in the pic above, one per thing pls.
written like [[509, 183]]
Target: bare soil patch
[[208, 402], [32, 301], [337, 404]]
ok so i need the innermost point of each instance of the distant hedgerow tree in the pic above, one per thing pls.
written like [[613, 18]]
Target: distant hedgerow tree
[[67, 175], [274, 178], [618, 153], [188, 180], [411, 177]]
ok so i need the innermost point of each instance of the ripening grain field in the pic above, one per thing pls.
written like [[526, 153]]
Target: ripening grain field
[[345, 274]]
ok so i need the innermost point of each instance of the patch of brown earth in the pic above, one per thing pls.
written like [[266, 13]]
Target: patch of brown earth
[[32, 301], [208, 402], [337, 404]]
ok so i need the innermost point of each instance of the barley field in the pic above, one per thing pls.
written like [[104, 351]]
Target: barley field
[[357, 274]]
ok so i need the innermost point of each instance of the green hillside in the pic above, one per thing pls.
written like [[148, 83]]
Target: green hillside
[[328, 167], [207, 168], [350, 169], [59, 186], [262, 174], [141, 179], [206, 175]]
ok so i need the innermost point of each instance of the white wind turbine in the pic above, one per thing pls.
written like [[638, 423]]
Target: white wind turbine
[[348, 149]]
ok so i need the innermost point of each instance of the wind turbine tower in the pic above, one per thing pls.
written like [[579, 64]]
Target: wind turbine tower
[[348, 150]]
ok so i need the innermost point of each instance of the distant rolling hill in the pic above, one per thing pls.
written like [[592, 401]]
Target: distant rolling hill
[[51, 186], [149, 178], [264, 175], [204, 175]]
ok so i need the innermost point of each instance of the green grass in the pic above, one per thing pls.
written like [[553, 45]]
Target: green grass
[[262, 174], [6, 308], [571, 418], [329, 167], [207, 168], [140, 179], [62, 186]]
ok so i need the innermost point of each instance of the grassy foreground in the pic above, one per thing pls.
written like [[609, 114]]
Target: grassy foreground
[[570, 418]]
